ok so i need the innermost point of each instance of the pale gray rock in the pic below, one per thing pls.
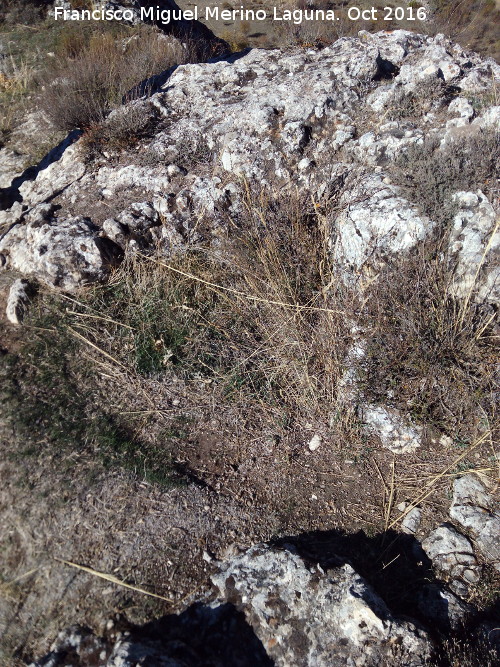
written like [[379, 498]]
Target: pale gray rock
[[64, 167], [395, 432], [305, 616], [60, 253], [112, 180], [386, 144], [461, 106], [477, 511], [394, 46], [475, 245], [411, 522], [453, 557], [274, 103], [18, 300], [375, 222], [12, 164], [481, 77], [135, 223]]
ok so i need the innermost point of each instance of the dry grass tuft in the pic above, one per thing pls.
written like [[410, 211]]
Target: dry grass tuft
[[81, 88], [428, 353]]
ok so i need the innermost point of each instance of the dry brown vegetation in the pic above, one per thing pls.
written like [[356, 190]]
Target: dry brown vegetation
[[83, 87], [216, 365]]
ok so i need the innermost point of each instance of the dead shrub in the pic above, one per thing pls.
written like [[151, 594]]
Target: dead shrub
[[120, 131], [429, 175], [428, 96], [80, 91]]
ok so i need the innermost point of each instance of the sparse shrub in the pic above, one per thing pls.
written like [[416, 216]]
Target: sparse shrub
[[430, 175], [270, 332], [424, 353], [26, 12], [121, 130], [427, 96], [80, 91]]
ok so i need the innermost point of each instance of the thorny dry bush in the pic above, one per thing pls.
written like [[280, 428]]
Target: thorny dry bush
[[429, 175], [82, 88]]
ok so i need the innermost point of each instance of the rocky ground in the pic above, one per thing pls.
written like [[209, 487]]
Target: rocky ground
[[269, 317]]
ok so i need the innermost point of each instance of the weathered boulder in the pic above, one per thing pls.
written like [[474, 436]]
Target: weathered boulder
[[475, 240], [442, 607], [453, 557], [306, 616], [476, 510], [374, 221], [60, 253]]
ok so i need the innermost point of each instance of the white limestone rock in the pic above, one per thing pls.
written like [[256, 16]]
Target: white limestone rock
[[475, 246], [60, 253], [453, 557], [305, 616], [18, 300], [395, 432], [375, 221], [477, 511]]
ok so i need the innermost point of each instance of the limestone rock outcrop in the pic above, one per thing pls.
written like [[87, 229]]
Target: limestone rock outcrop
[[319, 121]]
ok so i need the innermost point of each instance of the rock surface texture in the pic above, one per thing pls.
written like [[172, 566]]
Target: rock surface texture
[[475, 509], [289, 605], [314, 119], [296, 614]]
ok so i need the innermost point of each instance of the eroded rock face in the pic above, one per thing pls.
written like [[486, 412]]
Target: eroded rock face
[[453, 557], [307, 119], [310, 617], [60, 253], [475, 509]]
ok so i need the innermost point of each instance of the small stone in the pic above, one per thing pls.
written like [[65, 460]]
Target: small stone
[[395, 432], [17, 301], [173, 170], [315, 442], [411, 522]]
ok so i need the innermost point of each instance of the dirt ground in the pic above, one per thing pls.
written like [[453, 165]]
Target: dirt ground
[[239, 489]]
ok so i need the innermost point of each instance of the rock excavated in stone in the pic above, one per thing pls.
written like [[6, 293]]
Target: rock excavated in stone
[[305, 616], [453, 557], [476, 510]]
